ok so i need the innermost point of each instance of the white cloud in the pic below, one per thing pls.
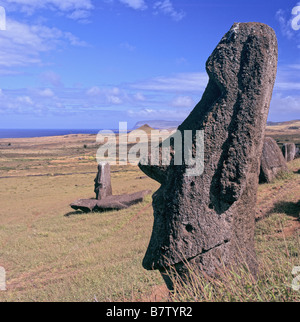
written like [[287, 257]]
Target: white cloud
[[74, 41], [80, 15], [135, 4], [22, 44], [184, 82], [127, 46], [285, 20], [25, 100], [287, 86], [183, 101], [47, 92], [114, 99], [285, 105], [166, 7], [139, 97], [94, 91], [51, 78], [108, 96], [285, 24], [158, 114], [74, 9], [288, 78]]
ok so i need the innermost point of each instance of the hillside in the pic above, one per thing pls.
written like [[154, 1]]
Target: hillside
[[146, 128], [52, 253], [159, 125], [285, 132]]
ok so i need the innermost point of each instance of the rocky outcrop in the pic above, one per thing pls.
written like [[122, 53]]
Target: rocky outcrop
[[208, 220], [272, 161]]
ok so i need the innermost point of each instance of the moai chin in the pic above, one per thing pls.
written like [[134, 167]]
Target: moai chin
[[209, 220]]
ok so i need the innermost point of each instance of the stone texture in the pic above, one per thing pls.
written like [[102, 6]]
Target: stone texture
[[272, 161], [289, 151], [110, 202], [209, 220], [103, 181]]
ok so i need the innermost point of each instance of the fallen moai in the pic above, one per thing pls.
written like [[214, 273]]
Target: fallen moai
[[104, 198], [289, 151], [110, 202], [208, 220], [272, 161]]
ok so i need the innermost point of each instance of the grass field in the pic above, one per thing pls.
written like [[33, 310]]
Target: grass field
[[51, 253]]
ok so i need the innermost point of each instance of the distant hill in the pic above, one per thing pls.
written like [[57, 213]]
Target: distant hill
[[283, 126], [158, 125], [146, 128], [284, 132], [282, 123]]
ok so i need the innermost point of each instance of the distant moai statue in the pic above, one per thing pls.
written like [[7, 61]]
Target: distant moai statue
[[105, 200], [103, 186], [289, 151], [209, 220]]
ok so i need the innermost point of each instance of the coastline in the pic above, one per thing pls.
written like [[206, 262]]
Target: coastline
[[39, 133]]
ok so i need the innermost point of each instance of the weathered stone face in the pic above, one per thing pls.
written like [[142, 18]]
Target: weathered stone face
[[289, 151], [209, 219], [103, 181], [272, 161]]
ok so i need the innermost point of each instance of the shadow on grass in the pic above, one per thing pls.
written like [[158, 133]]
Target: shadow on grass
[[289, 208], [74, 213], [81, 212]]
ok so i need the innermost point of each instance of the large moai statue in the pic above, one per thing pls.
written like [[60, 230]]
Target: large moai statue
[[208, 220]]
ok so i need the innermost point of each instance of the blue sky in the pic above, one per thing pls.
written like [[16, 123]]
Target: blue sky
[[83, 64]]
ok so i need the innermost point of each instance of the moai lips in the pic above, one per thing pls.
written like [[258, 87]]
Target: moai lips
[[208, 220]]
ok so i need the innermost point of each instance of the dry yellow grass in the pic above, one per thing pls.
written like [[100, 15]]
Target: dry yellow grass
[[53, 254]]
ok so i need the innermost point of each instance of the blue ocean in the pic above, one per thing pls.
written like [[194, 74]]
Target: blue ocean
[[11, 134]]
